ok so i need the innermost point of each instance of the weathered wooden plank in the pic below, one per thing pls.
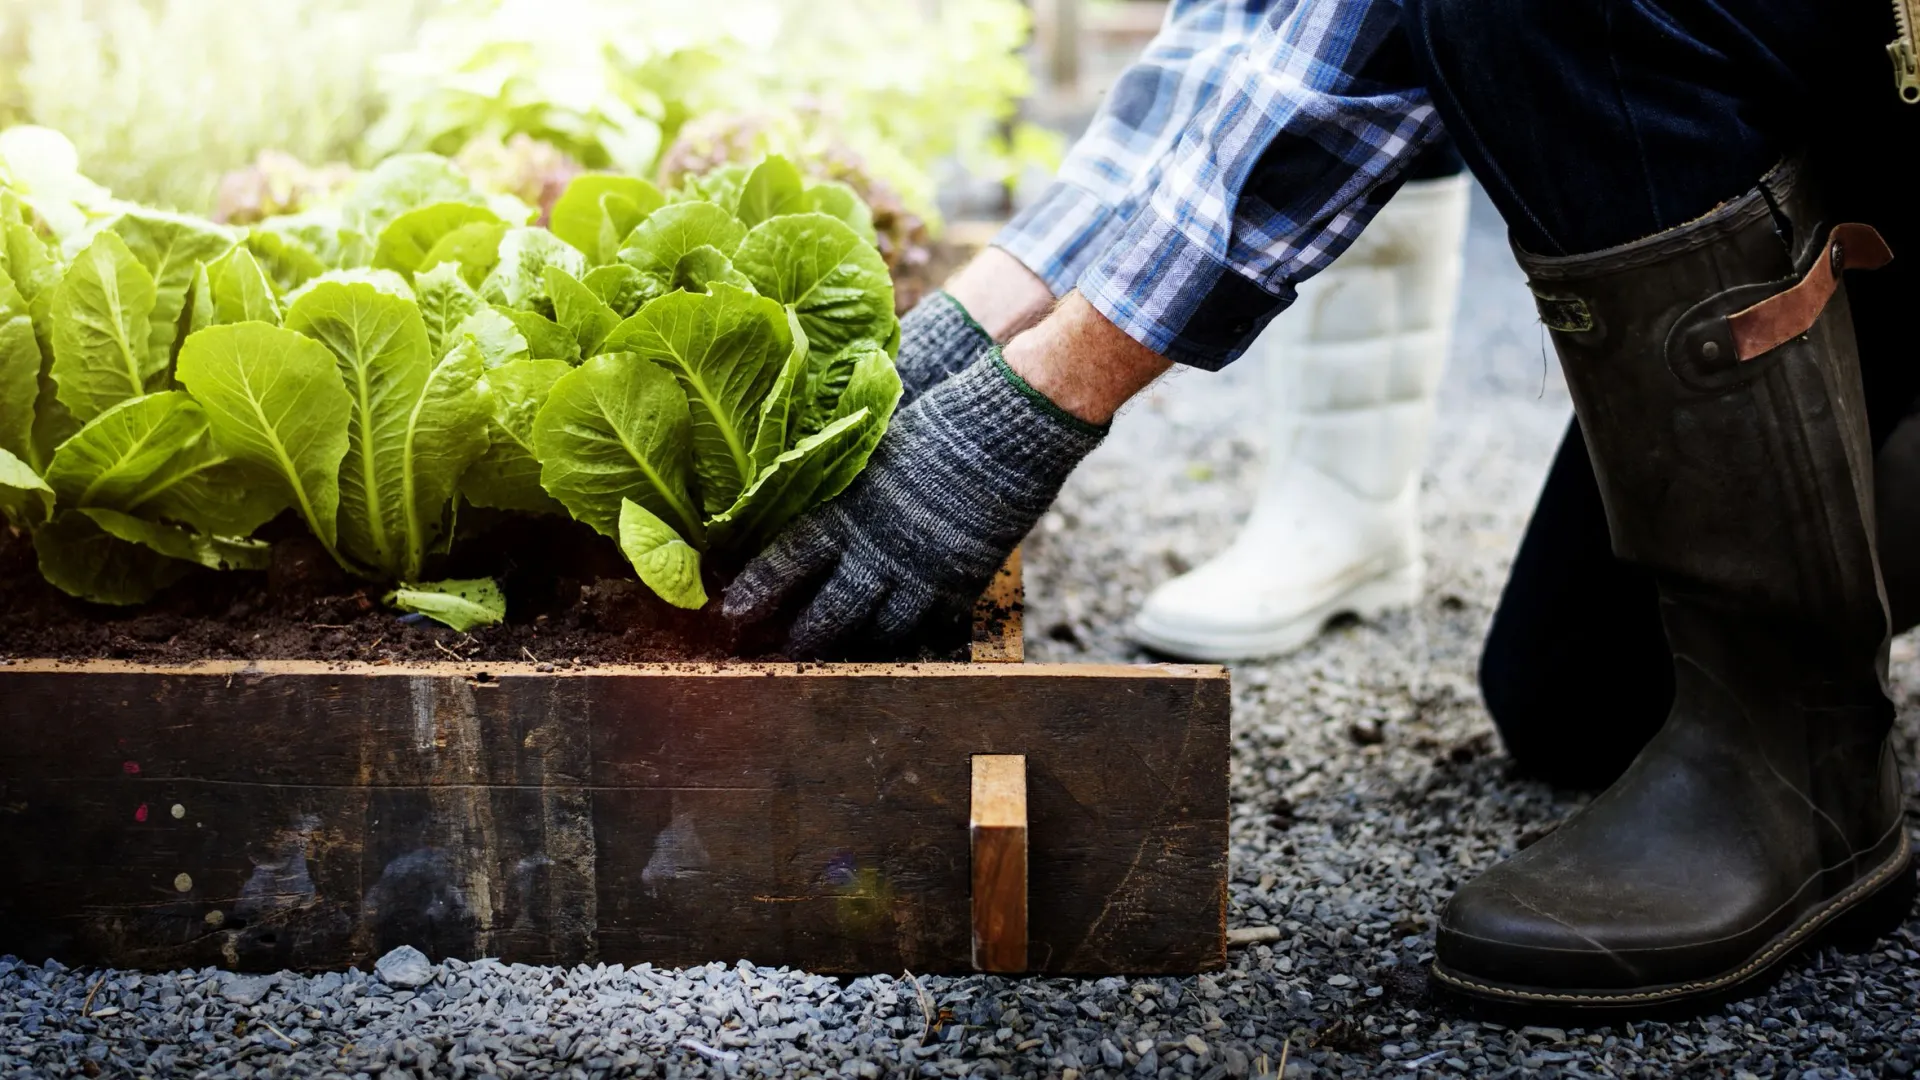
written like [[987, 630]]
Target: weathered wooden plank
[[997, 833], [812, 815]]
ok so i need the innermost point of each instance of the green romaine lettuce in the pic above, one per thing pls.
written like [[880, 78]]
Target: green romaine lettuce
[[618, 427], [405, 244], [507, 476], [598, 210], [414, 425], [101, 330], [683, 372], [446, 301], [403, 183], [172, 248], [771, 322], [274, 399], [717, 345]]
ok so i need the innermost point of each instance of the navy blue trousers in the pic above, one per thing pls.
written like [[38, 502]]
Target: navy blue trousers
[[1593, 123]]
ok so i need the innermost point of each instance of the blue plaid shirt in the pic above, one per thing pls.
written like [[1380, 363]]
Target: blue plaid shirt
[[1249, 145]]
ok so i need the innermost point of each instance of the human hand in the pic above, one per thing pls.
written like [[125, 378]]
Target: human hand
[[958, 481]]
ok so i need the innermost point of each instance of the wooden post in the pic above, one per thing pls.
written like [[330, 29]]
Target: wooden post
[[999, 842]]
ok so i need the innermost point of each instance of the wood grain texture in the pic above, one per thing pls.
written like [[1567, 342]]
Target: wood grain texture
[[312, 816], [998, 837], [999, 632]]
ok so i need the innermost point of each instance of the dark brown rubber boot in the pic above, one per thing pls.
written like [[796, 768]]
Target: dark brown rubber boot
[[1713, 368]]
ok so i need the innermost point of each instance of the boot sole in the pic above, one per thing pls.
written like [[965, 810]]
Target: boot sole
[[1852, 922], [1395, 589]]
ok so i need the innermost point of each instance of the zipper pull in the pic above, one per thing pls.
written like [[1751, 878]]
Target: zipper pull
[[1905, 50]]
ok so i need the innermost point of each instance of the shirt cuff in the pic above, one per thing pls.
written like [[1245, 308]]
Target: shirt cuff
[[1176, 298], [1060, 234]]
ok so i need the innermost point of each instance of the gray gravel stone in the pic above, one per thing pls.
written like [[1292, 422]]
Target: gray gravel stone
[[243, 989], [405, 966]]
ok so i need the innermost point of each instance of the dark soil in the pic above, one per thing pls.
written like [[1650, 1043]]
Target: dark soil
[[571, 601]]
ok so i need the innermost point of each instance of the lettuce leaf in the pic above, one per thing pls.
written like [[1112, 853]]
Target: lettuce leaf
[[658, 244], [621, 287], [274, 399], [405, 244], [520, 279], [788, 487], [172, 248], [462, 605], [212, 552], [725, 348], [474, 248], [836, 282], [618, 427], [414, 426], [446, 301], [240, 290], [580, 311], [80, 557], [288, 261], [111, 462], [101, 331], [774, 188], [777, 426], [546, 339], [25, 499], [598, 210], [666, 563], [500, 341], [403, 183], [20, 363], [837, 200], [27, 259], [507, 476]]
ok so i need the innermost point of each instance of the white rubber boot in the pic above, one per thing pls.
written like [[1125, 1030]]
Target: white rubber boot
[[1352, 367]]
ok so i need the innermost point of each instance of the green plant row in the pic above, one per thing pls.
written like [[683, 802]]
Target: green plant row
[[684, 372]]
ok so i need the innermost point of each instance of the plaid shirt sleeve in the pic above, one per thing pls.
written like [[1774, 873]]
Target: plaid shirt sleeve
[[1115, 165], [1301, 127]]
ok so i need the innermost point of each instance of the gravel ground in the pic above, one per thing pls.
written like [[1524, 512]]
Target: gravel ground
[[1367, 785]]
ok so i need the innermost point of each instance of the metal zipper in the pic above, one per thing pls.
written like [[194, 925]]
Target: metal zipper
[[1905, 50]]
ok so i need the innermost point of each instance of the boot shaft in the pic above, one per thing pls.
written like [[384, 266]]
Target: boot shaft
[[1353, 366], [1746, 485]]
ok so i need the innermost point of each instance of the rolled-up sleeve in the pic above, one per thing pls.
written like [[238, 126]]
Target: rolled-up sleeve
[[1312, 125]]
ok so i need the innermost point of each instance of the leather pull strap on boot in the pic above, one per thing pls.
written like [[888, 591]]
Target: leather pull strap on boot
[[1714, 373]]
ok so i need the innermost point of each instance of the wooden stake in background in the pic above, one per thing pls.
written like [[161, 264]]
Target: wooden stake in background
[[998, 831]]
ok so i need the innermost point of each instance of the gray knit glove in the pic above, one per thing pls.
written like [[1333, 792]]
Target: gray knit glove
[[937, 339], [959, 479]]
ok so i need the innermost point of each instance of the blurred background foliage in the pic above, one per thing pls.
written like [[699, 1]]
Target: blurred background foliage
[[283, 98], [162, 96]]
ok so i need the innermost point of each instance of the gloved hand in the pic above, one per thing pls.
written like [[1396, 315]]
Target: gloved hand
[[959, 479], [937, 339]]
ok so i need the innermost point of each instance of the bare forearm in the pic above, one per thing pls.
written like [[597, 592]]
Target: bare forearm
[[1082, 362], [1001, 294]]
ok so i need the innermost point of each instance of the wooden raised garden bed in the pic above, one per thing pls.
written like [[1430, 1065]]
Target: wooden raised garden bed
[[309, 815]]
